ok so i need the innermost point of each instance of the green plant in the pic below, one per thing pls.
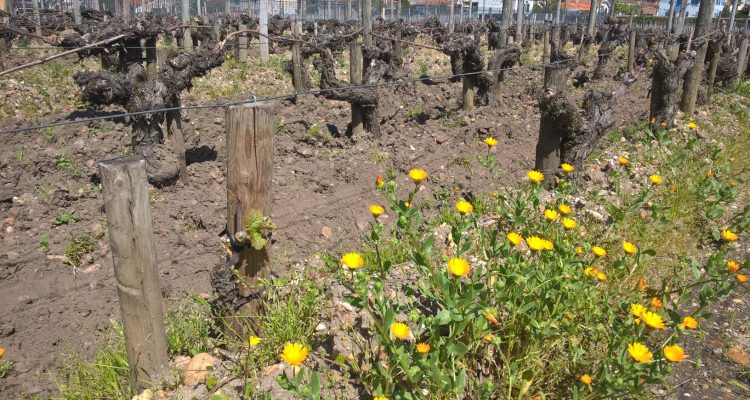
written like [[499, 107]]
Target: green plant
[[70, 166], [64, 219], [191, 328], [44, 244], [414, 112], [77, 247]]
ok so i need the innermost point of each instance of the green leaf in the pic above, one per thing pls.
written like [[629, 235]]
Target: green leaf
[[443, 317], [64, 219], [314, 386], [256, 225], [457, 349]]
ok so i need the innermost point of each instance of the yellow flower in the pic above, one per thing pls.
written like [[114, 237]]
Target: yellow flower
[[656, 302], [639, 352], [590, 271], [655, 179], [601, 276], [629, 248], [623, 160], [567, 168], [490, 315], [379, 182], [254, 341], [376, 210], [689, 323], [538, 244], [490, 142], [586, 379], [423, 348], [692, 125], [741, 278], [464, 207], [352, 260], [569, 223], [2, 352], [294, 354], [551, 215], [637, 309], [579, 251], [564, 209], [400, 330], [728, 235], [653, 319], [488, 337], [733, 266], [458, 267], [637, 321], [599, 251], [535, 176], [417, 175], [379, 398], [674, 353], [407, 204], [514, 238]]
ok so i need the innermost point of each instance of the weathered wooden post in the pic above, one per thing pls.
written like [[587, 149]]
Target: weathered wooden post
[[631, 50], [367, 22], [713, 66], [355, 78], [263, 22], [242, 52], [299, 85], [126, 202], [547, 158], [125, 10], [250, 130], [742, 59], [151, 72], [545, 49], [77, 12], [694, 75], [519, 21], [187, 40], [467, 94]]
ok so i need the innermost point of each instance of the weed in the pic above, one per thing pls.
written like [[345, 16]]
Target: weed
[[414, 112], [77, 247], [49, 134], [20, 153], [457, 123], [190, 328], [69, 166], [44, 244], [330, 154], [64, 219]]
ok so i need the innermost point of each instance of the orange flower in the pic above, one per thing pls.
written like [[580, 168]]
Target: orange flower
[[656, 302], [423, 348], [379, 182], [586, 379], [689, 323], [741, 278], [733, 266]]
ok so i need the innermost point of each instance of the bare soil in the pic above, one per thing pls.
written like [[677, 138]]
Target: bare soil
[[322, 186]]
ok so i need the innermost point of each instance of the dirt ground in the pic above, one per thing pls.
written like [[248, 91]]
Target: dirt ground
[[322, 186]]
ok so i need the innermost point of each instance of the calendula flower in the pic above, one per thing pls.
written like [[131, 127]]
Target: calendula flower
[[656, 302], [352, 260], [379, 398], [379, 182], [653, 319], [733, 266], [254, 341], [639, 352], [728, 235], [569, 223], [490, 315], [590, 271], [642, 284], [599, 251], [464, 207], [564, 209], [376, 210], [407, 204], [458, 267], [601, 276], [400, 330], [733, 184], [689, 322], [637, 321], [535, 176], [655, 179], [637, 309], [709, 173], [623, 160], [488, 337], [568, 315], [294, 354], [741, 278], [490, 142], [417, 175], [2, 352], [579, 251], [674, 353], [692, 125], [586, 379], [551, 215], [629, 248], [538, 244], [514, 238], [423, 348], [567, 168]]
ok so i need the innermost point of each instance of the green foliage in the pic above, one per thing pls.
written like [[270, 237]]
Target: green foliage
[[64, 219], [256, 227], [191, 329], [77, 247], [69, 166], [414, 112], [44, 244]]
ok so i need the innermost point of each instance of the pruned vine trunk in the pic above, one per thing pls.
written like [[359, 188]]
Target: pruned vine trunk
[[666, 81]]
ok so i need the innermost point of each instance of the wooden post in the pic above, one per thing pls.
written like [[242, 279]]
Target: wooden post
[[712, 71], [299, 86], [125, 10], [547, 158], [131, 236], [366, 22], [263, 21], [505, 21], [355, 78], [451, 18], [37, 19], [693, 80], [545, 50], [242, 52], [467, 94], [631, 50], [187, 40], [556, 76], [519, 21], [742, 59], [77, 12], [228, 7], [735, 3], [151, 58], [250, 130]]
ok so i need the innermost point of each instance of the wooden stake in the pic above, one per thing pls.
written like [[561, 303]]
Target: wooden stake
[[556, 76], [177, 137], [742, 59], [545, 51], [631, 50], [37, 19], [187, 40], [467, 94], [299, 86], [131, 236], [367, 22], [242, 44], [712, 72], [355, 78], [693, 80], [547, 158], [263, 21], [250, 130]]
